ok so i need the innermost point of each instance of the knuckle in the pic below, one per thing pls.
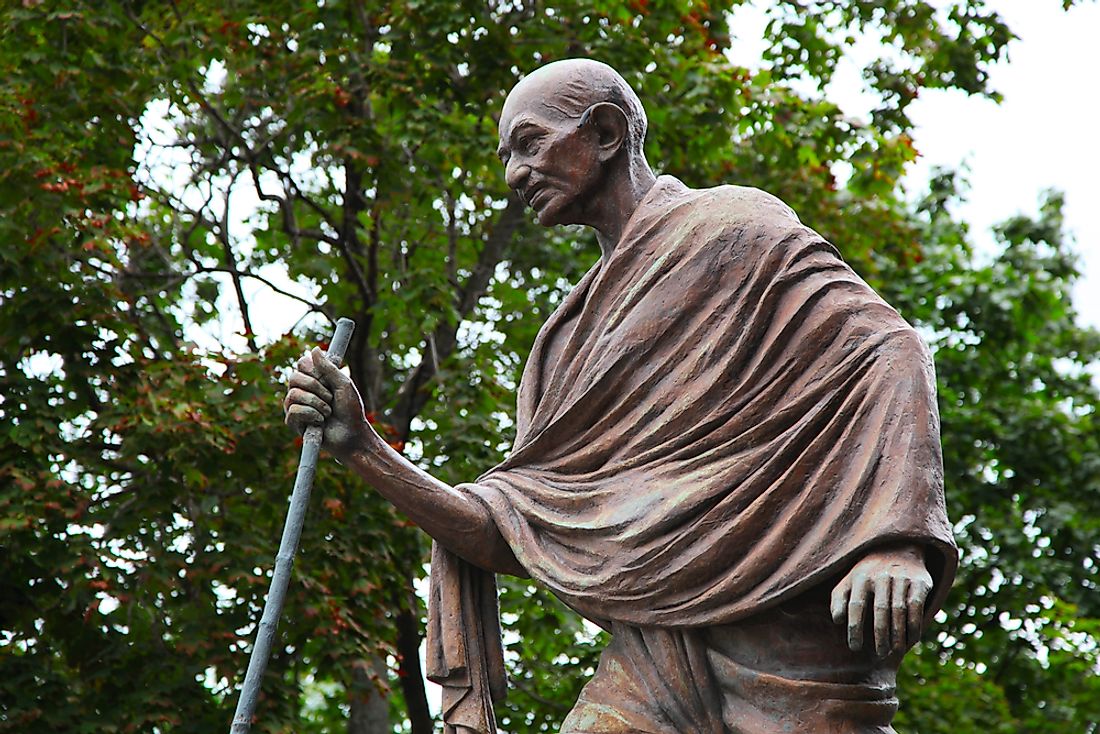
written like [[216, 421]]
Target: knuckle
[[303, 413]]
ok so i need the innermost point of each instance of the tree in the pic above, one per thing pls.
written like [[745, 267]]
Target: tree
[[340, 153], [1019, 410]]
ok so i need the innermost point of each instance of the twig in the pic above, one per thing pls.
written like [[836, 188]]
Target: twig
[[231, 267]]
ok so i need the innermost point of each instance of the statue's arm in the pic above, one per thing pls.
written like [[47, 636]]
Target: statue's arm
[[320, 394]]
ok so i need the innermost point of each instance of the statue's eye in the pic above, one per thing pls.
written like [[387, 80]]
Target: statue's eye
[[528, 144]]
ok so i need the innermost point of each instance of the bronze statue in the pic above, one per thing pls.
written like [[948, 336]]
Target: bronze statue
[[727, 454]]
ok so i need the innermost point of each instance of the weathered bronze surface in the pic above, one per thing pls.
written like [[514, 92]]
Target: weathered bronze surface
[[727, 454]]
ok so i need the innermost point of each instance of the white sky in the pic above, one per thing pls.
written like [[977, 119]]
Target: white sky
[[1043, 134]]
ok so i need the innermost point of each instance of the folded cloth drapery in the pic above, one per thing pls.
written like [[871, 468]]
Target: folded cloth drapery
[[464, 653], [734, 417]]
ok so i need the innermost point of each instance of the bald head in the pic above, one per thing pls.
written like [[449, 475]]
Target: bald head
[[563, 90]]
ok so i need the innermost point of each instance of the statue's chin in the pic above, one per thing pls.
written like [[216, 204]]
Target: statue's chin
[[552, 214], [546, 217]]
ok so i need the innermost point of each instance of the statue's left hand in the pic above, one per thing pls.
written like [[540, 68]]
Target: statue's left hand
[[893, 583]]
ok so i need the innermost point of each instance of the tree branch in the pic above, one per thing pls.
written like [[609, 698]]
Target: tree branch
[[348, 242], [231, 267], [441, 343], [286, 208]]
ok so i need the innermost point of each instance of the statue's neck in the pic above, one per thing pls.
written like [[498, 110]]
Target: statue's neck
[[617, 203]]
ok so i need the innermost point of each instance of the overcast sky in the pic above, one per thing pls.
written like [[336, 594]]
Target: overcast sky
[[1043, 135]]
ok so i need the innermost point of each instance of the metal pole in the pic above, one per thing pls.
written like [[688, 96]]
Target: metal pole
[[288, 546]]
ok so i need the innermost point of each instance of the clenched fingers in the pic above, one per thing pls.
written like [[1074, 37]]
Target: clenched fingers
[[300, 417], [303, 381], [298, 396], [305, 364], [326, 372]]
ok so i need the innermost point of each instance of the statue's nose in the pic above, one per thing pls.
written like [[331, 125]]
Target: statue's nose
[[515, 174]]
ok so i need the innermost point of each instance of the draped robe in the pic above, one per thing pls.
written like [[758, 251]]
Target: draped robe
[[717, 422]]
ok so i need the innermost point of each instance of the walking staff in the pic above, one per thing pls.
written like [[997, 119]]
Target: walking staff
[[284, 561]]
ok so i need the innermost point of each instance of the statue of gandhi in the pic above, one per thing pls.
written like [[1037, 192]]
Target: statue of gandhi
[[727, 453]]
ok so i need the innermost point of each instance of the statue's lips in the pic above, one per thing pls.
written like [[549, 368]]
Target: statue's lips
[[537, 196]]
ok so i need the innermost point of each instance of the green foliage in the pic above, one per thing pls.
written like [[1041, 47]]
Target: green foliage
[[346, 150], [1021, 441], [544, 639]]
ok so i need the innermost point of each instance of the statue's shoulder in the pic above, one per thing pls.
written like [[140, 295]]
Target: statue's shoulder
[[742, 219], [744, 203], [720, 212]]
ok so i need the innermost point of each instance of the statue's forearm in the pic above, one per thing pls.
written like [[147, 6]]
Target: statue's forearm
[[458, 523]]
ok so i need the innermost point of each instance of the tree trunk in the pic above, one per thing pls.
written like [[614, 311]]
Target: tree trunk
[[412, 675], [370, 708]]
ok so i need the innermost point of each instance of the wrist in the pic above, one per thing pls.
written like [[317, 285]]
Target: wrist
[[363, 447], [910, 552]]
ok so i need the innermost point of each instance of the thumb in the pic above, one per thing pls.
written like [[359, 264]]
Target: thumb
[[327, 372]]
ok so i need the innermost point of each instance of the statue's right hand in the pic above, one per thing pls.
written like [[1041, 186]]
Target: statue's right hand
[[321, 395]]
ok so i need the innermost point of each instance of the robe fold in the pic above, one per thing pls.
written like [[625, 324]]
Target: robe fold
[[718, 419]]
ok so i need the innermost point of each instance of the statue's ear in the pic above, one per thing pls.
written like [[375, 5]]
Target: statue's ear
[[610, 124]]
